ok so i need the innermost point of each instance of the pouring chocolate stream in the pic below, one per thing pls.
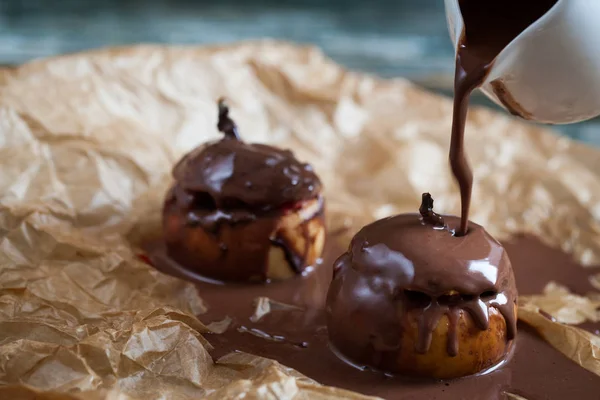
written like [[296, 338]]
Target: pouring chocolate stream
[[489, 28]]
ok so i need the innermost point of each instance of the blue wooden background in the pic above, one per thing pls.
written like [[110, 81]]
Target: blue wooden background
[[389, 38]]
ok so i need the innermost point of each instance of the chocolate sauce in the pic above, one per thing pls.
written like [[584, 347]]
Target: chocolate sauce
[[533, 269], [488, 28], [534, 263], [230, 174], [410, 267], [299, 339]]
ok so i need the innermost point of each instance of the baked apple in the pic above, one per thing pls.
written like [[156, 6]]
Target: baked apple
[[243, 212], [409, 297]]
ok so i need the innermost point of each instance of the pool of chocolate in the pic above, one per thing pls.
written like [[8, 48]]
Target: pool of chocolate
[[298, 337]]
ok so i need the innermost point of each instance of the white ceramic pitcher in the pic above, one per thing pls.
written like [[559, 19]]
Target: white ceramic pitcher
[[551, 72]]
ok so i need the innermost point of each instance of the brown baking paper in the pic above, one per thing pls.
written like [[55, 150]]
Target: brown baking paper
[[87, 142]]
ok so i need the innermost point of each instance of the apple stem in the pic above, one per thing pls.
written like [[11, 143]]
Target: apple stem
[[226, 124], [429, 216]]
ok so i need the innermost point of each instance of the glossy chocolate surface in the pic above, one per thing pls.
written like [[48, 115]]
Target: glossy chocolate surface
[[232, 174], [298, 337], [402, 266]]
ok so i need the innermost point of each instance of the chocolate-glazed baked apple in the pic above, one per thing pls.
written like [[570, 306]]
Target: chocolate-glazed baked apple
[[410, 297], [243, 212]]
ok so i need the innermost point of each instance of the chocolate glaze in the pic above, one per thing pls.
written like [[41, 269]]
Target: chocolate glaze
[[535, 370], [413, 265], [488, 28], [231, 174], [225, 209]]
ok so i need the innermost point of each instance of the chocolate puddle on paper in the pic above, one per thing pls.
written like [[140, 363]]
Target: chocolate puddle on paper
[[298, 337]]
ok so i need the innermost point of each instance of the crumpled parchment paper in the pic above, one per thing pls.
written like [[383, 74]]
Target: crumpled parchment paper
[[87, 142], [564, 306]]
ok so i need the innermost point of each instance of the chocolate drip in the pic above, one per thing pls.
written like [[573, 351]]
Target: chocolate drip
[[503, 302], [480, 312], [295, 259], [428, 320], [489, 28], [452, 306], [477, 308], [452, 346]]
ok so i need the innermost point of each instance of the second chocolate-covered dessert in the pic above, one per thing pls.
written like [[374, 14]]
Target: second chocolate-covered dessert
[[243, 212], [411, 297]]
